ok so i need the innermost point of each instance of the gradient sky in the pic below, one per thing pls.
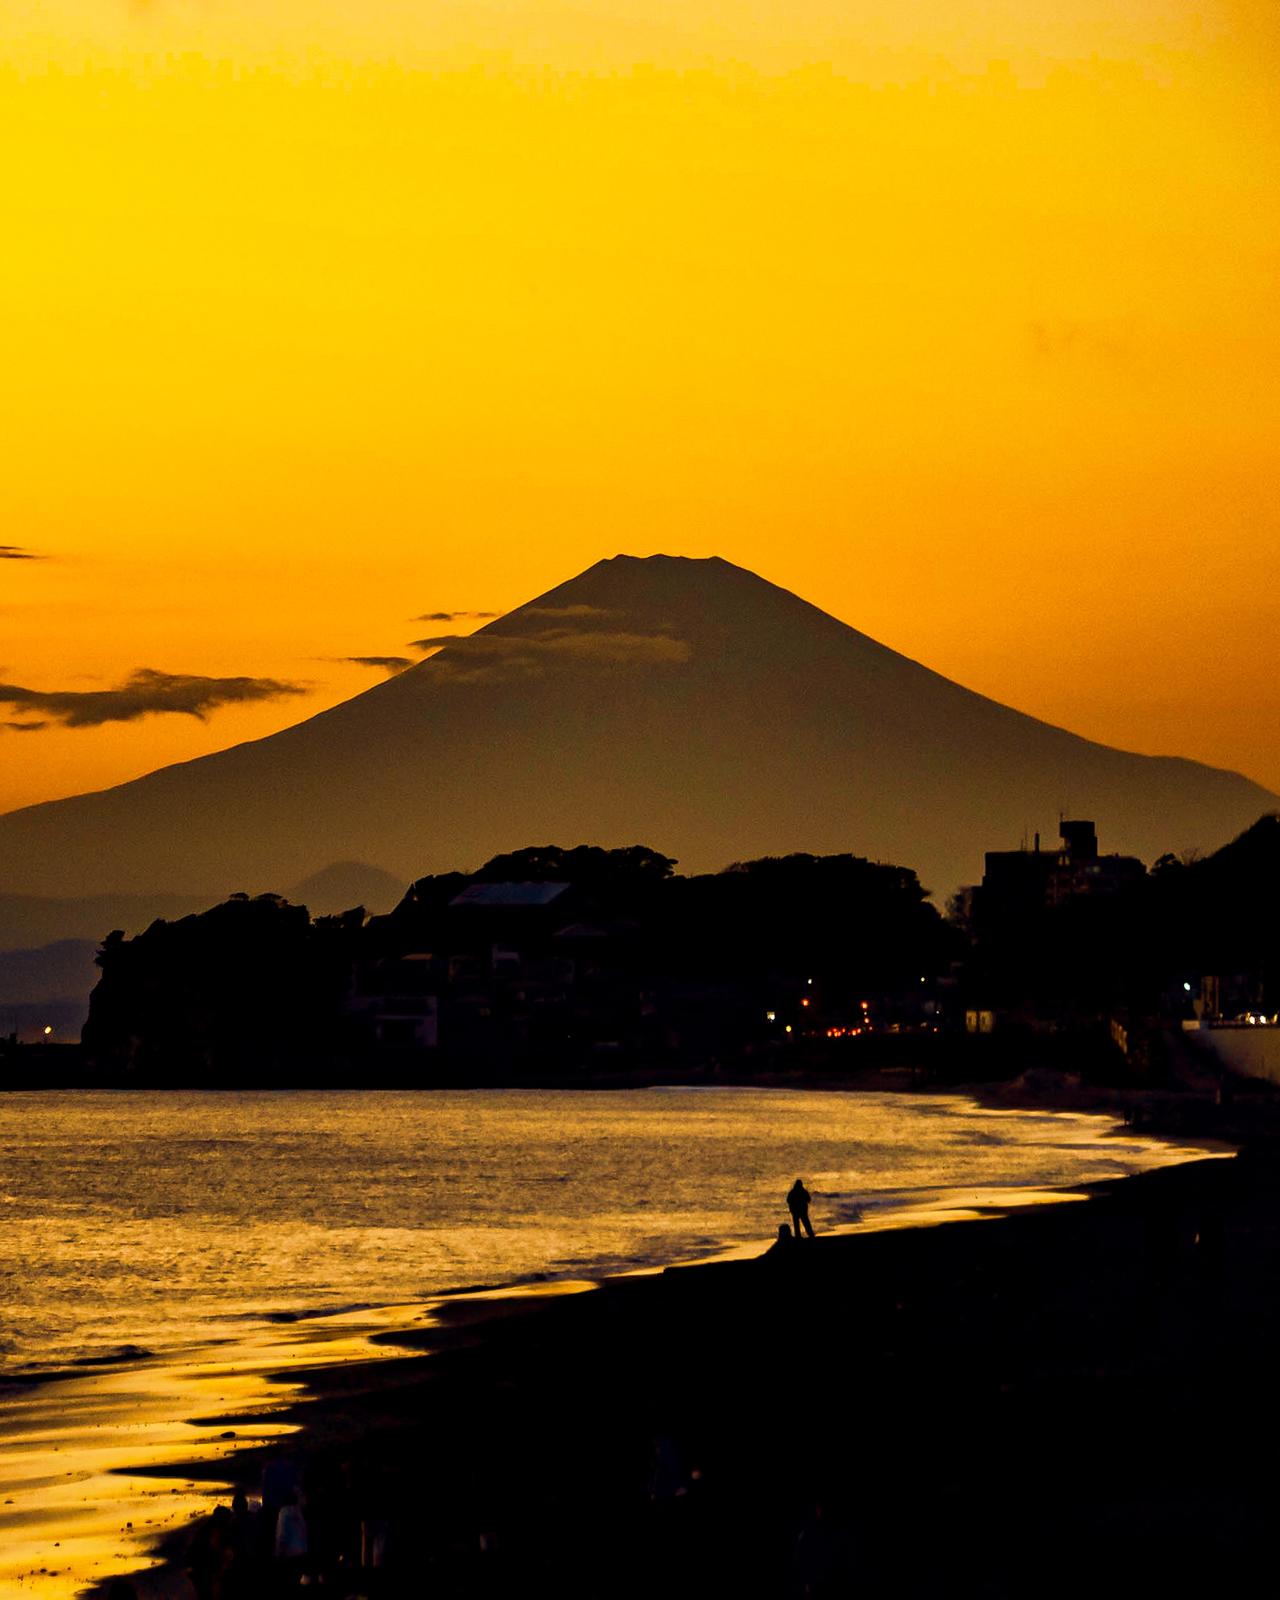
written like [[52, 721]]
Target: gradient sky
[[957, 318]]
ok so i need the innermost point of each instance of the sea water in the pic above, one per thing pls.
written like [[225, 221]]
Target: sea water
[[171, 1263], [153, 1222]]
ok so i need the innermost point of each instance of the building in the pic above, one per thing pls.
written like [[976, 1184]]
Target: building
[[1081, 870], [1018, 885]]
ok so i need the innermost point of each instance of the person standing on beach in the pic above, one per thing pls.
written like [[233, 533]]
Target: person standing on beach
[[798, 1205]]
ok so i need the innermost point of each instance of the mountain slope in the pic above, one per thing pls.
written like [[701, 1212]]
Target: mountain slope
[[686, 704]]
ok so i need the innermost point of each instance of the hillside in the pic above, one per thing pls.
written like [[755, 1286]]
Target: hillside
[[684, 702]]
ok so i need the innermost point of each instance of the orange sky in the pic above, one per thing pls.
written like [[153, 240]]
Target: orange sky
[[957, 320]]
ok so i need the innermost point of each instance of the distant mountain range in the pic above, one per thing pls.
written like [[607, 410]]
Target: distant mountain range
[[47, 946], [28, 921], [684, 704]]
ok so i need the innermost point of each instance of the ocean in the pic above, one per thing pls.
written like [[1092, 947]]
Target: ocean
[[155, 1222], [171, 1262]]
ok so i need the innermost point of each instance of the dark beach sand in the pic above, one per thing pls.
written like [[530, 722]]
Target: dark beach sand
[[1064, 1401]]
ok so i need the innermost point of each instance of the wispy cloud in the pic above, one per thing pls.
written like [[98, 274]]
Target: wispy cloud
[[568, 613], [145, 693], [1057, 339], [471, 657], [23, 727], [389, 664], [434, 641], [18, 552], [458, 616]]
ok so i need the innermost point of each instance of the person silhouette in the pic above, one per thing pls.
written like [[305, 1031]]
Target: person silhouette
[[798, 1205], [783, 1245]]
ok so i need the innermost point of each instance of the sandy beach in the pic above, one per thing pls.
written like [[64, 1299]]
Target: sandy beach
[[1028, 1404]]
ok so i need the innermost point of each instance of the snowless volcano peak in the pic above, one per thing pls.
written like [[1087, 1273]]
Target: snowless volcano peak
[[683, 703]]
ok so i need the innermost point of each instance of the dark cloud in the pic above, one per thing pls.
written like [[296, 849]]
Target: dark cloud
[[470, 657], [145, 693], [16, 552], [458, 616], [24, 727], [382, 663]]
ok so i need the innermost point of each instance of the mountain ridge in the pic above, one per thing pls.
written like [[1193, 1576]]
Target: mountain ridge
[[684, 702]]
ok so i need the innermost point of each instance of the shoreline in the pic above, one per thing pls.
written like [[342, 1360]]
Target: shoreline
[[487, 1344], [926, 1208], [964, 1350], [482, 1328]]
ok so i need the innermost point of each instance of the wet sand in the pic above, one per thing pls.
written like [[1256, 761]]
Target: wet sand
[[1044, 1403]]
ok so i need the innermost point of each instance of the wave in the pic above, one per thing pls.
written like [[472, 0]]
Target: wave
[[298, 1313], [74, 1366]]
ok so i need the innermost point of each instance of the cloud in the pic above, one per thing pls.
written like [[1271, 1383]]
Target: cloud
[[567, 613], [390, 664], [16, 552], [434, 641], [471, 657], [24, 727], [458, 616], [1073, 339], [145, 693]]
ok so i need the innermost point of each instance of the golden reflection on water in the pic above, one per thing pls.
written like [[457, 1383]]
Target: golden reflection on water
[[84, 1490], [162, 1234], [82, 1459]]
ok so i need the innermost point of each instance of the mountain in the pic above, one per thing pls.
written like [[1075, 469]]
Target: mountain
[[35, 920], [48, 987], [28, 921], [60, 969], [685, 704], [346, 884], [50, 983]]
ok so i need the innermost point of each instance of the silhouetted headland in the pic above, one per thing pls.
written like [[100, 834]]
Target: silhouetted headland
[[589, 966]]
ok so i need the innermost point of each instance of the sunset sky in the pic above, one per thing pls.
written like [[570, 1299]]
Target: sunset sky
[[324, 316]]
